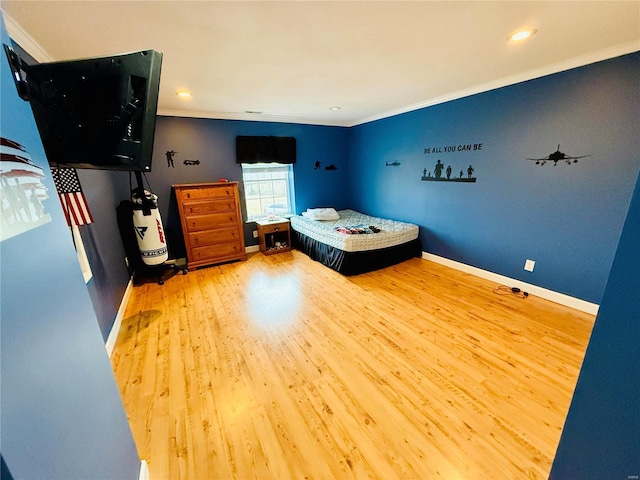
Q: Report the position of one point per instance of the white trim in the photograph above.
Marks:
(26, 41)
(144, 470)
(115, 329)
(250, 117)
(576, 62)
(252, 248)
(556, 297)
(83, 260)
(21, 37)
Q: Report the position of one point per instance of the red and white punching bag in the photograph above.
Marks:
(147, 225)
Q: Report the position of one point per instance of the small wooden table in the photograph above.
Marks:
(274, 235)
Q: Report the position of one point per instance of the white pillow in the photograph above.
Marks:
(321, 214)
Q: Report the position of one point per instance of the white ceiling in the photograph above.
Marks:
(293, 60)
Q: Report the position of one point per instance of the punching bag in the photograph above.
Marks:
(147, 225)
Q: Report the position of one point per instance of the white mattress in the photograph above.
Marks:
(391, 233)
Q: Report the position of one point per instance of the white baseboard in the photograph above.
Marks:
(556, 297)
(144, 470)
(115, 329)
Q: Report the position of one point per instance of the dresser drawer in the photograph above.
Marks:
(218, 252)
(206, 193)
(211, 221)
(194, 223)
(209, 206)
(209, 237)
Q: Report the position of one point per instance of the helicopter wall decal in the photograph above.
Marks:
(556, 157)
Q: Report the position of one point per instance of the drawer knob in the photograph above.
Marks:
(276, 229)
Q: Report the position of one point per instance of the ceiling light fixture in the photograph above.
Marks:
(335, 109)
(522, 34)
(183, 94)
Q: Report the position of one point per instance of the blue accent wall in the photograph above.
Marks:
(62, 416)
(212, 142)
(567, 218)
(601, 436)
(104, 190)
(5, 474)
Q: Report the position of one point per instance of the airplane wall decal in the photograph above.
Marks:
(556, 157)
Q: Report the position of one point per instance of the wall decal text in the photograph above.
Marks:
(467, 147)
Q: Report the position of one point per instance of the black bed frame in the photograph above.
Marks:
(354, 263)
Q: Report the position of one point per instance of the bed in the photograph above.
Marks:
(355, 243)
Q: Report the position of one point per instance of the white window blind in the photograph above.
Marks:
(268, 189)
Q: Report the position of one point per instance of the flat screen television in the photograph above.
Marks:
(97, 113)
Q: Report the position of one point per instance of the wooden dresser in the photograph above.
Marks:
(211, 222)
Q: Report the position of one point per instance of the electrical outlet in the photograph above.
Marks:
(528, 265)
(255, 234)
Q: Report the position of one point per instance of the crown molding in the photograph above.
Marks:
(26, 41)
(248, 117)
(575, 62)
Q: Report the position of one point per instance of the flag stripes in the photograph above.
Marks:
(75, 208)
(74, 204)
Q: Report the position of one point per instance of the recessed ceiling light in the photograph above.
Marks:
(335, 109)
(183, 94)
(521, 34)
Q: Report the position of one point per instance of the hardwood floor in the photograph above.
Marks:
(278, 367)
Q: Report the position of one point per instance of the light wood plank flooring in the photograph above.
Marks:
(278, 367)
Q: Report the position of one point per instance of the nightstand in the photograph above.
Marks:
(274, 235)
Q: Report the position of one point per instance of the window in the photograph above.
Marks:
(268, 189)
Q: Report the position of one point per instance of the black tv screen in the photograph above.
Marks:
(97, 113)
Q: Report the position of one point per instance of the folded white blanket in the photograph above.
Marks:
(321, 214)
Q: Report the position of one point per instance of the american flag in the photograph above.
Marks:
(74, 204)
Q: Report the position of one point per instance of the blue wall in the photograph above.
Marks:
(212, 142)
(58, 394)
(104, 190)
(601, 436)
(62, 416)
(567, 218)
